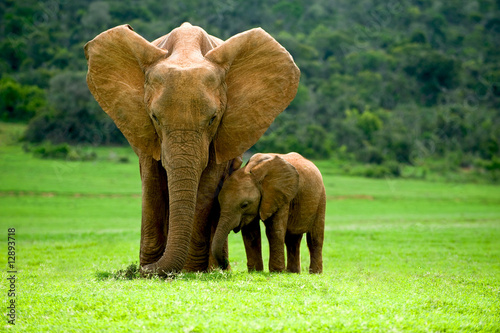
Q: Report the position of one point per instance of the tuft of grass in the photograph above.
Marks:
(131, 272)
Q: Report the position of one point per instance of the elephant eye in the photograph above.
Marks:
(244, 204)
(211, 120)
(154, 118)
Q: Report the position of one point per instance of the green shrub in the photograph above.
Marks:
(50, 151)
(19, 102)
(73, 115)
(370, 154)
(491, 167)
(389, 169)
(393, 167)
(123, 159)
(62, 151)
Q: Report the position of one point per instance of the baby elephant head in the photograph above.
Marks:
(263, 186)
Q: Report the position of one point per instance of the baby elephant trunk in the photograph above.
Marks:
(226, 224)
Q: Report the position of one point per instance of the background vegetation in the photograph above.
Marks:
(386, 84)
(388, 89)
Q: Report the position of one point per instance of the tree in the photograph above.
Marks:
(429, 70)
(74, 116)
(19, 102)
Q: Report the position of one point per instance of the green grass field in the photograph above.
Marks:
(399, 255)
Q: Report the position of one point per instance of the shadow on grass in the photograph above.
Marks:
(133, 272)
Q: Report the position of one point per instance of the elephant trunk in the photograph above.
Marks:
(182, 197)
(183, 175)
(226, 224)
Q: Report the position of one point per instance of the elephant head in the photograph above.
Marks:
(186, 97)
(263, 186)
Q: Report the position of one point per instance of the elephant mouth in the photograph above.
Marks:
(237, 229)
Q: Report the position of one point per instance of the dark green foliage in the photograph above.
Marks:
(370, 154)
(76, 117)
(52, 151)
(390, 169)
(63, 151)
(492, 167)
(394, 81)
(19, 102)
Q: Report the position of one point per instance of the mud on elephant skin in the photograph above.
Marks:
(287, 193)
(189, 104)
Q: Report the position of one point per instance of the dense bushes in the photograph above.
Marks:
(19, 102)
(74, 115)
(61, 151)
(382, 83)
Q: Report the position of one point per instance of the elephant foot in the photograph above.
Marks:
(316, 270)
(276, 269)
(150, 270)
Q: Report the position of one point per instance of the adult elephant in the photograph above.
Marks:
(189, 104)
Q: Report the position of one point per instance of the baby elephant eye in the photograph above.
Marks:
(211, 120)
(244, 205)
(154, 118)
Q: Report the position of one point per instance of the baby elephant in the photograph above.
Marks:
(287, 193)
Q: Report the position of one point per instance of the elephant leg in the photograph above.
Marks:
(206, 217)
(315, 245)
(154, 226)
(275, 232)
(253, 246)
(315, 240)
(292, 243)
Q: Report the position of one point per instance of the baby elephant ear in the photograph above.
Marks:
(279, 180)
(117, 60)
(262, 79)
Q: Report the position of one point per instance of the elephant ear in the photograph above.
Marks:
(279, 180)
(262, 79)
(117, 60)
